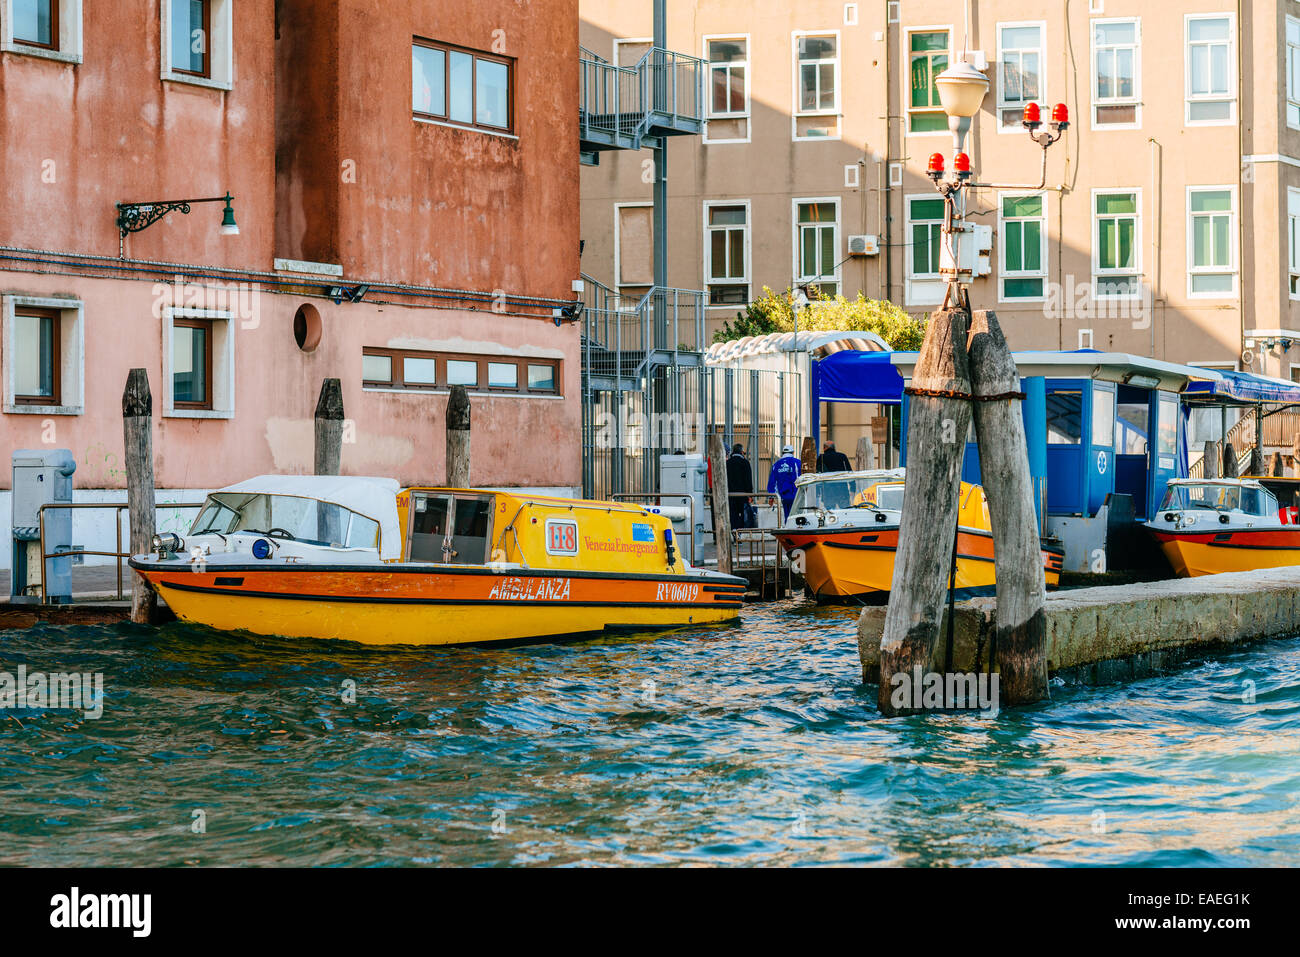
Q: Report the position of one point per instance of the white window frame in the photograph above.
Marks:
(1293, 241)
(797, 271)
(850, 14)
(1004, 273)
(1136, 99)
(906, 85)
(920, 289)
(223, 363)
(1231, 95)
(618, 253)
(1136, 270)
(1002, 102)
(708, 252)
(221, 48)
(1232, 268)
(837, 110)
(1291, 72)
(628, 41)
(708, 88)
(70, 42)
(72, 354)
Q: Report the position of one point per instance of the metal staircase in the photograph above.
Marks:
(624, 107)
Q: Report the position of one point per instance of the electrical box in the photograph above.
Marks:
(682, 482)
(41, 477)
(864, 246)
(969, 255)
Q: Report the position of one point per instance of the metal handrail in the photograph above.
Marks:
(118, 508)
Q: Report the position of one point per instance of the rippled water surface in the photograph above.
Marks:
(754, 744)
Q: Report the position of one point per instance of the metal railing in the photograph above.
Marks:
(625, 104)
(617, 329)
(120, 555)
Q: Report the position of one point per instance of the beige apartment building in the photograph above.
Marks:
(1167, 224)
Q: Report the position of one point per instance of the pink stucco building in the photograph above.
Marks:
(404, 176)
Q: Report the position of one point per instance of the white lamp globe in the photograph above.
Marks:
(961, 89)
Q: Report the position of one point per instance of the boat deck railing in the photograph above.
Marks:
(117, 508)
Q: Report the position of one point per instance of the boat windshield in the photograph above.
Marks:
(847, 493)
(289, 516)
(1220, 498)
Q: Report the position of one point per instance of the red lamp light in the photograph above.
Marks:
(1061, 114)
(961, 165)
(936, 164)
(1033, 116)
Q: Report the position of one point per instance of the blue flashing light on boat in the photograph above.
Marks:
(262, 549)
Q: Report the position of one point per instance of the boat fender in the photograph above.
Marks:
(881, 517)
(1223, 519)
(668, 543)
(262, 549)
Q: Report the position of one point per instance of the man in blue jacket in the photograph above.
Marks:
(784, 471)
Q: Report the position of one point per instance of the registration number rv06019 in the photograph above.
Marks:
(561, 536)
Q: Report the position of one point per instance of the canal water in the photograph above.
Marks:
(752, 744)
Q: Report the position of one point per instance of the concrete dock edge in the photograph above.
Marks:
(1119, 632)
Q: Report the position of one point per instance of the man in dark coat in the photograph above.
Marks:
(740, 478)
(832, 459)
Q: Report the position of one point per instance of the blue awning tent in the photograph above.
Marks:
(854, 376)
(1243, 387)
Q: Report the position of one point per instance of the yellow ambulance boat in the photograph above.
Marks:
(360, 559)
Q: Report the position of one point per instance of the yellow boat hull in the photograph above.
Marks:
(1195, 555)
(409, 605)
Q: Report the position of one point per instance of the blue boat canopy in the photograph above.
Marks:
(855, 376)
(1243, 387)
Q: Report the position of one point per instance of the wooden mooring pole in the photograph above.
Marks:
(458, 418)
(137, 429)
(866, 454)
(1212, 460)
(721, 503)
(1020, 634)
(329, 428)
(936, 440)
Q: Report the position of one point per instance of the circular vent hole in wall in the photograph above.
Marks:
(306, 327)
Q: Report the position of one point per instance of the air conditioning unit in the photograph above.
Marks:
(863, 246)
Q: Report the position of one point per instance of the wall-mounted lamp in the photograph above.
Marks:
(133, 217)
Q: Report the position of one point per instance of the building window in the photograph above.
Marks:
(50, 29)
(1293, 241)
(461, 87)
(1116, 72)
(191, 27)
(1211, 259)
(36, 356)
(1293, 73)
(436, 371)
(42, 356)
(197, 42)
(728, 117)
(1211, 72)
(1117, 272)
(726, 228)
(36, 23)
(192, 364)
(928, 52)
(198, 363)
(817, 86)
(1022, 223)
(634, 236)
(925, 223)
(1020, 71)
(816, 238)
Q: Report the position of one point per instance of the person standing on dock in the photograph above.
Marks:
(832, 459)
(740, 478)
(781, 481)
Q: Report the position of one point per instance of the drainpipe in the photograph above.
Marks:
(659, 80)
(1241, 191)
(1157, 211)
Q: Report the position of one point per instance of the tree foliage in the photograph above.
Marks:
(775, 312)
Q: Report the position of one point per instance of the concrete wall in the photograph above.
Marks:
(1114, 632)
